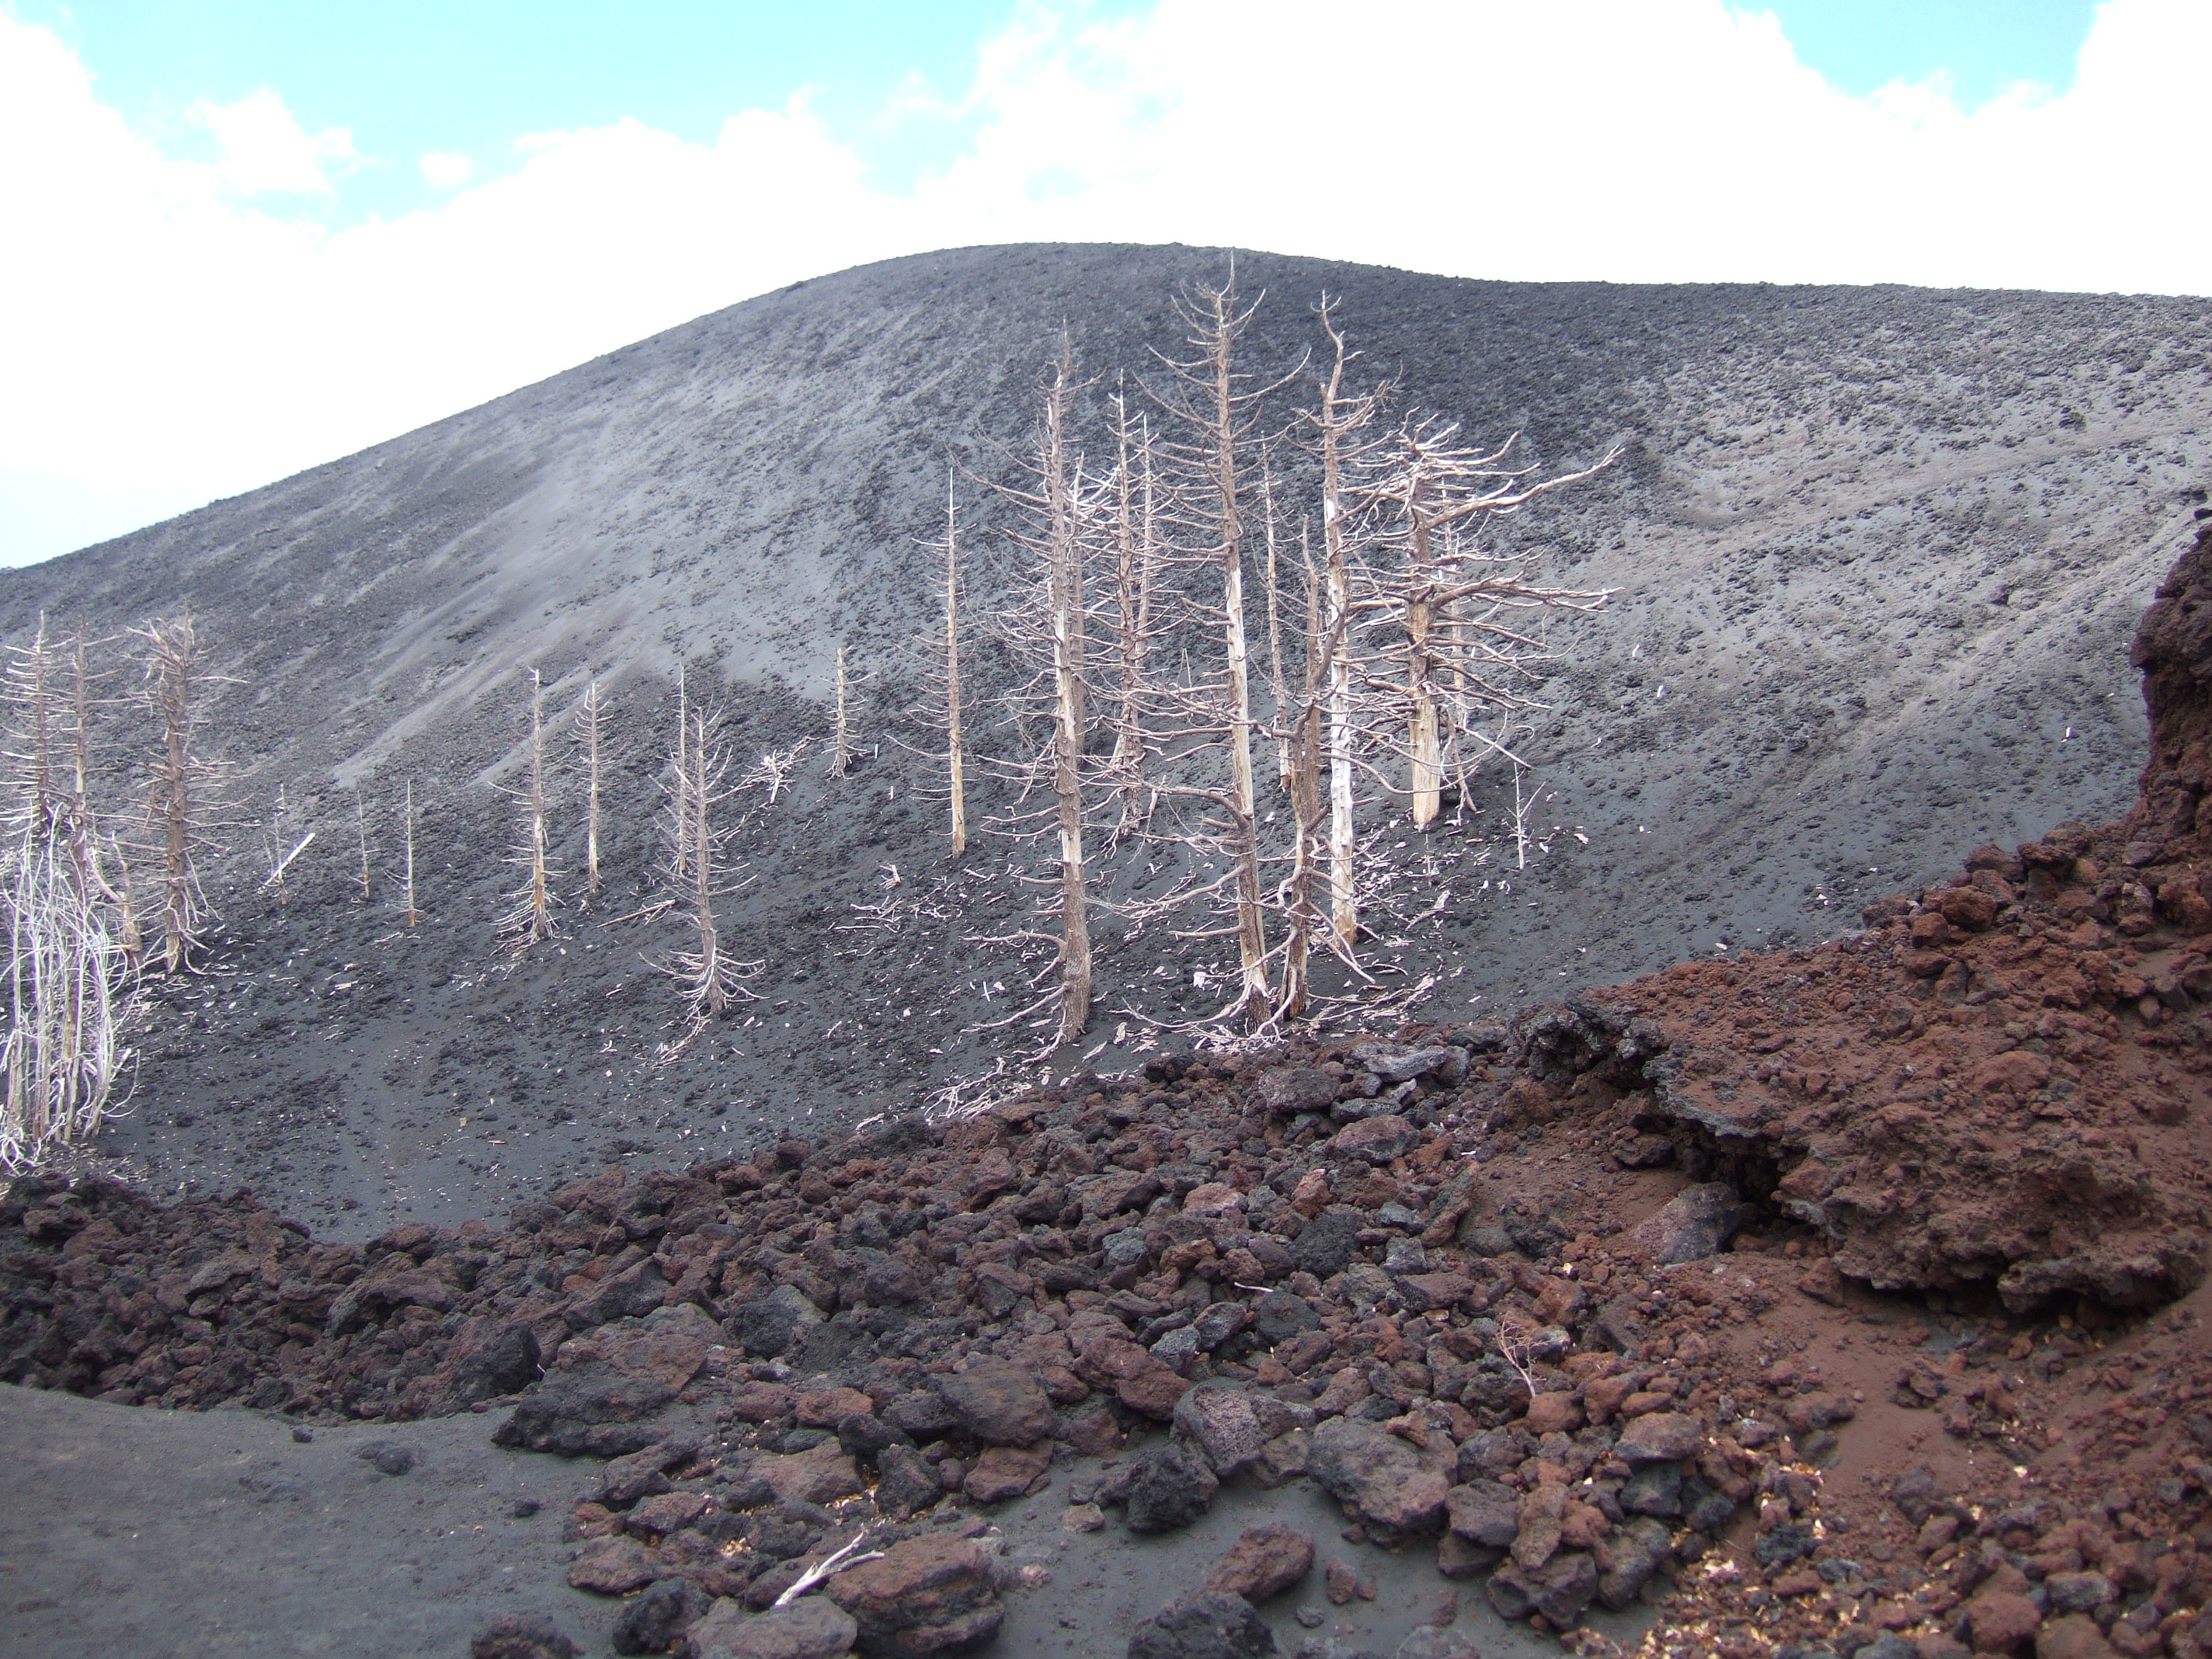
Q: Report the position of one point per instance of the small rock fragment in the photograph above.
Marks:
(523, 1636)
(1265, 1561)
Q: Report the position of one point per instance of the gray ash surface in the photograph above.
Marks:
(1878, 554)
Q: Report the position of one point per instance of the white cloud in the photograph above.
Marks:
(444, 170)
(175, 340)
(265, 151)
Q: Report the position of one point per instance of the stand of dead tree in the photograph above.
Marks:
(68, 967)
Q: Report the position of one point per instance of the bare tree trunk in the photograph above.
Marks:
(841, 748)
(411, 915)
(181, 798)
(682, 849)
(1275, 636)
(360, 823)
(1068, 727)
(127, 933)
(1220, 328)
(1424, 767)
(1136, 557)
(693, 873)
(594, 704)
(1304, 730)
(532, 919)
(84, 830)
(1339, 419)
(712, 993)
(956, 760)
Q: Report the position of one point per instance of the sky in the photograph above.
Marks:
(242, 238)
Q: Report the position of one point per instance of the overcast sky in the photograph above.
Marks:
(243, 239)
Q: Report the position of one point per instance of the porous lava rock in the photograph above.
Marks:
(929, 1595)
(1265, 1561)
(1211, 1625)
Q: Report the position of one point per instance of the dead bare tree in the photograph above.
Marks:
(1339, 423)
(408, 867)
(937, 658)
(1217, 407)
(1049, 630)
(696, 844)
(1136, 575)
(841, 746)
(955, 762)
(275, 836)
(532, 919)
(184, 792)
(1302, 725)
(360, 828)
(589, 719)
(1275, 631)
(1458, 610)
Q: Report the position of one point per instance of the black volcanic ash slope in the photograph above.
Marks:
(1878, 553)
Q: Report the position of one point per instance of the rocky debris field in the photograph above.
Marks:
(1504, 1314)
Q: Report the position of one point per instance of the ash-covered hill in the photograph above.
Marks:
(1878, 555)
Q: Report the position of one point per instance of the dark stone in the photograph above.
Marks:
(1779, 1546)
(767, 1327)
(1705, 1510)
(385, 1457)
(1169, 1487)
(505, 1361)
(924, 1414)
(586, 1414)
(812, 1627)
(930, 1595)
(1635, 1551)
(651, 1622)
(1287, 1091)
(1560, 1589)
(1327, 1245)
(1378, 1478)
(523, 1636)
(1654, 1489)
(630, 1294)
(1485, 1512)
(1377, 1140)
(1219, 1322)
(1000, 1405)
(1278, 1316)
(1211, 1624)
(1692, 1225)
(1661, 1437)
(1265, 1561)
(906, 1483)
(866, 1435)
